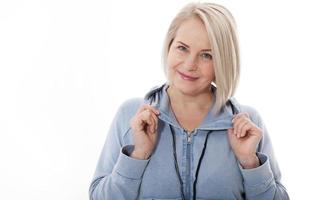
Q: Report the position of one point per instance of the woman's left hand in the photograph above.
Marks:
(244, 138)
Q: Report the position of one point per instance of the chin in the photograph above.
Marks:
(187, 89)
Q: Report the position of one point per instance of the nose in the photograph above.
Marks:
(191, 63)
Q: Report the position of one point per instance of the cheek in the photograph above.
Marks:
(171, 66)
(209, 71)
(173, 59)
(169, 61)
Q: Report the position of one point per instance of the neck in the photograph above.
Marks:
(183, 101)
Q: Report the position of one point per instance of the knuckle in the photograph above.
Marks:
(243, 115)
(260, 131)
(145, 113)
(143, 107)
(148, 106)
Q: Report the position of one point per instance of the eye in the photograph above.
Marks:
(207, 56)
(181, 48)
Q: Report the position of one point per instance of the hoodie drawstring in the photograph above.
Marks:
(234, 111)
(177, 165)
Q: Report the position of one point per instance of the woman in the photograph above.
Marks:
(189, 139)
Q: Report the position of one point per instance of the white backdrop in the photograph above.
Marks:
(66, 66)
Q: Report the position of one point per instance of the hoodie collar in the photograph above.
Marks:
(159, 98)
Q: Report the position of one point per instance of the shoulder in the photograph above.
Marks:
(249, 109)
(253, 113)
(125, 112)
(129, 107)
(131, 104)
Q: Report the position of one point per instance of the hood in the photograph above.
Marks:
(158, 98)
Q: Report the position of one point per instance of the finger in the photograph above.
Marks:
(240, 124)
(231, 134)
(148, 107)
(141, 109)
(240, 115)
(245, 129)
(153, 124)
(230, 131)
(137, 123)
(253, 129)
(155, 118)
(237, 124)
(151, 119)
(144, 117)
(156, 122)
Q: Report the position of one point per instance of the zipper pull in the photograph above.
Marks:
(189, 137)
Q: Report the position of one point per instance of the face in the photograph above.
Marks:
(189, 61)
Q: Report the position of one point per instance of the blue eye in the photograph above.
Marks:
(207, 56)
(181, 48)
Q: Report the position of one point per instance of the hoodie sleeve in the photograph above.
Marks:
(117, 175)
(264, 182)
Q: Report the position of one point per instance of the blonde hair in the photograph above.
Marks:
(221, 29)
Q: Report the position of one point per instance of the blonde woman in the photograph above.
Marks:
(189, 138)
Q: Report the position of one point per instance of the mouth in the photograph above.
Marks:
(186, 77)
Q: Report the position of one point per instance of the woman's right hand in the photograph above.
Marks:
(144, 125)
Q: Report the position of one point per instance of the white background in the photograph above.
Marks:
(66, 66)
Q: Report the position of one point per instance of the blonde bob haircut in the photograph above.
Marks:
(221, 29)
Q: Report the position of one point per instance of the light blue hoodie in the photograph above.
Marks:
(220, 176)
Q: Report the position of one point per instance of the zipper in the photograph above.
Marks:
(189, 137)
(188, 164)
(188, 177)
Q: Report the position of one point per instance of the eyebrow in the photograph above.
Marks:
(187, 46)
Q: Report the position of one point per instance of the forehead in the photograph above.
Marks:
(193, 32)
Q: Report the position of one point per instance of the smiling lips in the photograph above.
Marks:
(186, 77)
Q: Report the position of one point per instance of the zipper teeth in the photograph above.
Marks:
(188, 174)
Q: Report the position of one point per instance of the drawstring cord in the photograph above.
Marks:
(177, 165)
(234, 111)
